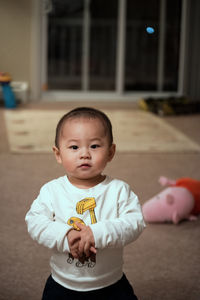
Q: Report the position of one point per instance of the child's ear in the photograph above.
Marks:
(111, 152)
(57, 154)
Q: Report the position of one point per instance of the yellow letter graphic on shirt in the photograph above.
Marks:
(87, 204)
(72, 222)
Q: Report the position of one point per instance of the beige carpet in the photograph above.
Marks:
(31, 131)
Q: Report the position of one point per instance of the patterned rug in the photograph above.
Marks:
(32, 131)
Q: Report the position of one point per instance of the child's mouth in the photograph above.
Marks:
(84, 166)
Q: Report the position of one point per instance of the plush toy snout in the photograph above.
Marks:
(171, 205)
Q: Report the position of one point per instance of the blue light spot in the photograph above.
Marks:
(150, 30)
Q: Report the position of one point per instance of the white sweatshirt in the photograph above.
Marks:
(114, 215)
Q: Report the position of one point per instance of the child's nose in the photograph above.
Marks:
(85, 153)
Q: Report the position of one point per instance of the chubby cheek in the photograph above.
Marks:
(100, 161)
(68, 163)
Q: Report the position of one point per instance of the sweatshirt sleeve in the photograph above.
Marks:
(124, 229)
(42, 225)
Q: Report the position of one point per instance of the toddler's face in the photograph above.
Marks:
(84, 150)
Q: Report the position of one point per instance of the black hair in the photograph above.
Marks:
(86, 112)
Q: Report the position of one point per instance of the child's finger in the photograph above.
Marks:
(87, 247)
(93, 250)
(81, 246)
(73, 237)
(79, 225)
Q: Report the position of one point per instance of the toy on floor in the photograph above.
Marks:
(179, 201)
(8, 95)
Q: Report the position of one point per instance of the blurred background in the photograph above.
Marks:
(120, 56)
(116, 49)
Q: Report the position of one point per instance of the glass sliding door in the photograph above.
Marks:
(152, 45)
(117, 45)
(82, 45)
(172, 45)
(65, 39)
(141, 45)
(103, 37)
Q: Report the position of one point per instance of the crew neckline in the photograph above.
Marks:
(72, 186)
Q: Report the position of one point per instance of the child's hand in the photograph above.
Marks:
(74, 237)
(81, 243)
(86, 244)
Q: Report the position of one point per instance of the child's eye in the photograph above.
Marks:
(74, 147)
(95, 146)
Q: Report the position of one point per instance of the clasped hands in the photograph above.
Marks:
(81, 243)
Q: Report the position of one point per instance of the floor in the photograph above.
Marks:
(164, 263)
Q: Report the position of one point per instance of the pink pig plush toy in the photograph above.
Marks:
(179, 201)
